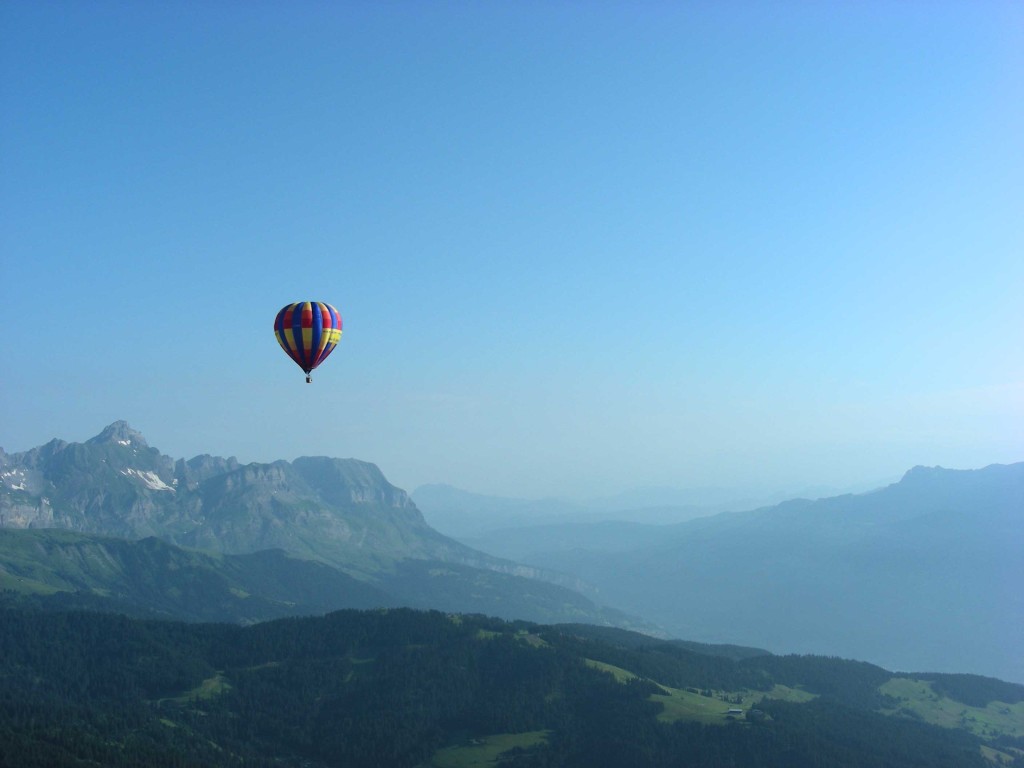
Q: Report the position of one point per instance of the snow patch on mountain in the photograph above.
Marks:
(14, 479)
(151, 480)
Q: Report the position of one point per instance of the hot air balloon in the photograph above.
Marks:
(308, 331)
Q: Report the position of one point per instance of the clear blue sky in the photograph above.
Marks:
(578, 247)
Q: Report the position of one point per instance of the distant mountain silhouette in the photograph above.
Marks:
(466, 515)
(925, 573)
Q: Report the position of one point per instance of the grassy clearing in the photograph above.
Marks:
(210, 687)
(680, 704)
(917, 700)
(677, 703)
(998, 757)
(523, 636)
(483, 751)
(620, 674)
(783, 693)
(535, 641)
(26, 586)
(713, 710)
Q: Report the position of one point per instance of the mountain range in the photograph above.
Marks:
(333, 532)
(338, 511)
(927, 572)
(465, 515)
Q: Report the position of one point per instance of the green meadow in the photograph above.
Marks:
(918, 700)
(681, 704)
(713, 710)
(483, 751)
(209, 688)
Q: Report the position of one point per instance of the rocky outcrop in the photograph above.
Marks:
(340, 511)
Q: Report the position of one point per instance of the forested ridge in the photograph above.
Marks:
(392, 687)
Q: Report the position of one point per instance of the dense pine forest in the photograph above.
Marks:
(407, 688)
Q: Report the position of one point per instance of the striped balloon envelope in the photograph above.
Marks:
(308, 331)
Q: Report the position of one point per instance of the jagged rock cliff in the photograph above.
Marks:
(341, 511)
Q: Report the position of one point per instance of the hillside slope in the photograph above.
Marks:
(61, 570)
(924, 574)
(341, 513)
(405, 689)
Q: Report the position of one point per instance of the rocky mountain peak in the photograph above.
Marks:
(120, 433)
(920, 471)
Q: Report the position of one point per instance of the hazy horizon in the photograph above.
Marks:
(658, 495)
(576, 250)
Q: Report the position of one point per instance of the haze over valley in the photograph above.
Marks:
(922, 574)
